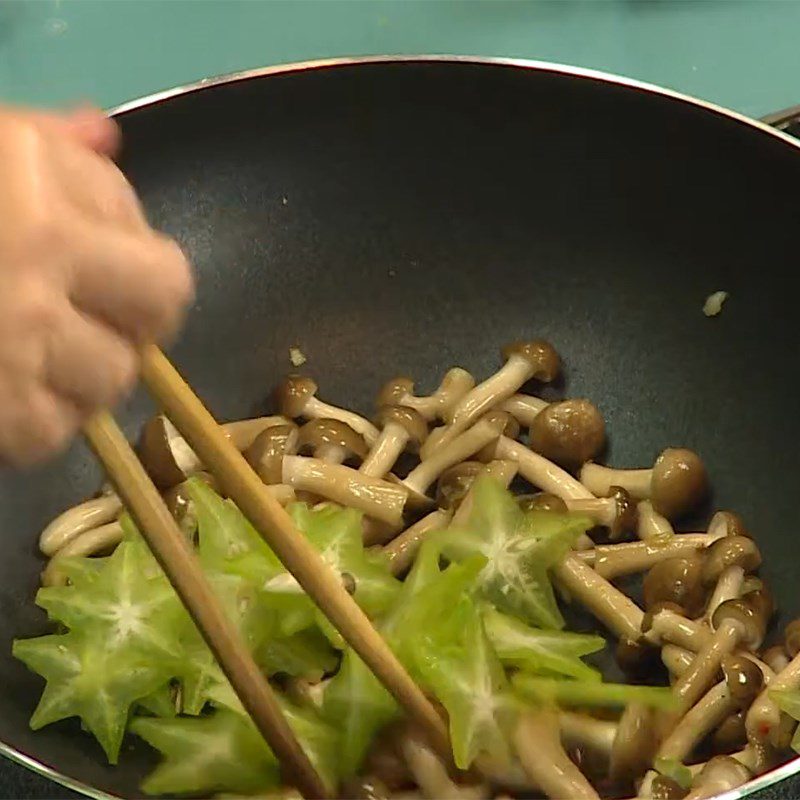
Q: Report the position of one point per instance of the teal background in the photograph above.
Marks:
(745, 55)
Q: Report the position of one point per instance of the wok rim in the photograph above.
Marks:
(763, 781)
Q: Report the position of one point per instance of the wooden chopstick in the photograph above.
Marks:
(181, 566)
(241, 483)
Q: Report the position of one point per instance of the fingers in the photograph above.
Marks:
(138, 283)
(88, 363)
(36, 427)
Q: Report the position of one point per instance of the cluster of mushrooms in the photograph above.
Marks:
(701, 612)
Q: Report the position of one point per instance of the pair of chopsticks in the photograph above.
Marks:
(183, 570)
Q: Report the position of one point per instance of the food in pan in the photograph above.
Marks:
(467, 524)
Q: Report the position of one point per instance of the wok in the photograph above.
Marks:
(404, 215)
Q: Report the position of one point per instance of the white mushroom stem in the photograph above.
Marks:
(676, 659)
(318, 409)
(88, 543)
(673, 628)
(431, 775)
(523, 408)
(599, 480)
(502, 471)
(455, 384)
(651, 525)
(75, 521)
(601, 510)
(538, 744)
(729, 585)
(283, 493)
(386, 450)
(459, 449)
(581, 730)
(242, 432)
(540, 472)
(764, 717)
(691, 685)
(613, 608)
(402, 550)
(380, 499)
(628, 558)
(702, 718)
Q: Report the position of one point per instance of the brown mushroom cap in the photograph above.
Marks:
(507, 424)
(726, 523)
(331, 432)
(177, 498)
(743, 679)
(570, 432)
(627, 513)
(293, 393)
(747, 615)
(677, 580)
(394, 390)
(791, 635)
(761, 599)
(455, 482)
(730, 551)
(651, 613)
(266, 453)
(731, 734)
(155, 450)
(542, 501)
(413, 422)
(679, 482)
(542, 356)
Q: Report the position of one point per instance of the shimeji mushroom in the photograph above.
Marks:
(541, 501)
(455, 482)
(523, 407)
(617, 512)
(375, 497)
(651, 524)
(538, 744)
(676, 580)
(402, 550)
(296, 397)
(77, 520)
(676, 659)
(607, 603)
(537, 470)
(524, 360)
(666, 622)
(742, 682)
(628, 558)
(719, 775)
(482, 433)
(726, 563)
(400, 392)
(764, 718)
(331, 440)
(89, 543)
(169, 459)
(634, 744)
(675, 484)
(265, 454)
(570, 433)
(737, 623)
(401, 428)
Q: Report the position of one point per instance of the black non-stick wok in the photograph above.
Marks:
(402, 216)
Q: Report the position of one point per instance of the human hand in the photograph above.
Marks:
(83, 279)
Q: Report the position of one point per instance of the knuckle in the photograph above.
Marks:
(121, 372)
(38, 306)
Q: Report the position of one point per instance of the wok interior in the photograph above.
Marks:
(403, 217)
